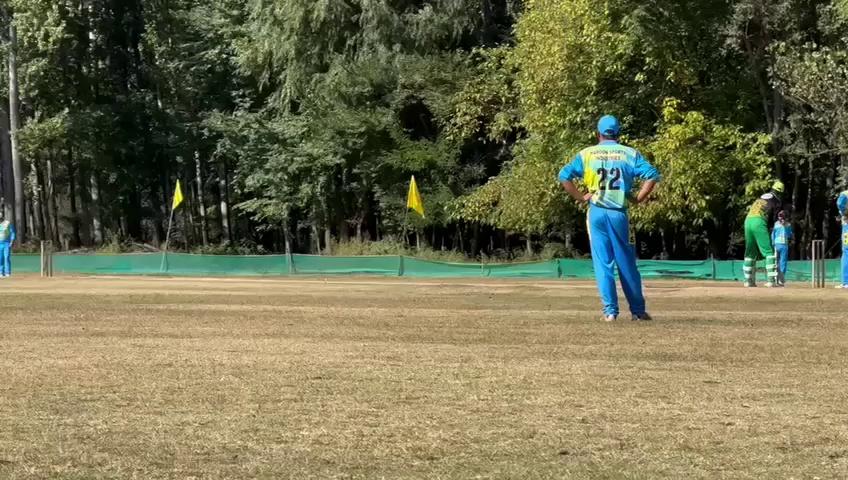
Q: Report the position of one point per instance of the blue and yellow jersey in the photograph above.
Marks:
(609, 170)
(842, 203)
(781, 234)
(7, 232)
(844, 235)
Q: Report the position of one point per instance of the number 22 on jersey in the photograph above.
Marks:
(609, 188)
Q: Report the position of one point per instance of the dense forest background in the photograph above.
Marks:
(296, 124)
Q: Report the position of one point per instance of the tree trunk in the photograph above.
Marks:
(778, 103)
(287, 236)
(826, 215)
(362, 211)
(359, 236)
(7, 182)
(96, 221)
(529, 245)
(186, 225)
(72, 197)
(167, 196)
(796, 192)
(223, 190)
(44, 208)
(328, 240)
(344, 234)
(485, 20)
(37, 204)
(198, 173)
(14, 126)
(317, 238)
(323, 193)
(809, 234)
(51, 203)
(83, 180)
(156, 203)
(188, 210)
(124, 226)
(680, 252)
(133, 209)
(756, 70)
(30, 223)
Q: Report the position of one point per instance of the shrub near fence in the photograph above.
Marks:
(178, 264)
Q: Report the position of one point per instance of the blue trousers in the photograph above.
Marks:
(5, 258)
(845, 266)
(609, 235)
(782, 252)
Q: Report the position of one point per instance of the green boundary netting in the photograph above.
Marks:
(26, 263)
(179, 264)
(204, 265)
(320, 265)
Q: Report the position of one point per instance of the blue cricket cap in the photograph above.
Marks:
(608, 126)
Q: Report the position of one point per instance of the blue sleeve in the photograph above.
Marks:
(773, 235)
(573, 170)
(842, 203)
(12, 233)
(644, 169)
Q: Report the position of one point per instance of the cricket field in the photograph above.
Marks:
(354, 378)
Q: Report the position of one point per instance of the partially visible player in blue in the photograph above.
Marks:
(844, 251)
(842, 205)
(608, 170)
(781, 237)
(7, 238)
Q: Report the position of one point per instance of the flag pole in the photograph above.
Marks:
(406, 214)
(167, 239)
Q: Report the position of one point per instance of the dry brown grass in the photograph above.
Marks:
(167, 378)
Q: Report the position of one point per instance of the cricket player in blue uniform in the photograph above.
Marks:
(781, 236)
(842, 205)
(608, 170)
(7, 238)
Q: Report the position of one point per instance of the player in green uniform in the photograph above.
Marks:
(757, 239)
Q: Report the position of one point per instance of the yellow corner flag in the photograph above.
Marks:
(178, 196)
(413, 199)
